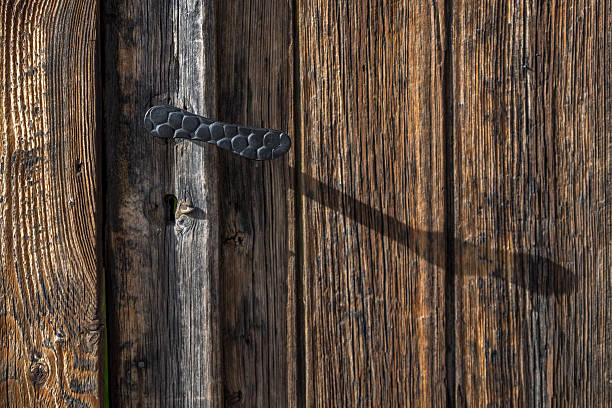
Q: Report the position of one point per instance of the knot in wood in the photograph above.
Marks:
(233, 398)
(39, 372)
(183, 217)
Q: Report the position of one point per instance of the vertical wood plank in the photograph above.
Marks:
(50, 293)
(373, 221)
(255, 87)
(163, 273)
(192, 245)
(532, 209)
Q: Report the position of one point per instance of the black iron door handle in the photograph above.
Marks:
(253, 143)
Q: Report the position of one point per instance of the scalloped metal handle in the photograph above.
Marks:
(169, 122)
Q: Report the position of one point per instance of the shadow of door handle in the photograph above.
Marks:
(168, 122)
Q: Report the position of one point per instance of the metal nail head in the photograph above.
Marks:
(184, 208)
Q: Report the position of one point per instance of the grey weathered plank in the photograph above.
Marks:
(532, 203)
(50, 277)
(163, 273)
(255, 87)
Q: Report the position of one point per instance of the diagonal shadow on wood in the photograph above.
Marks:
(531, 271)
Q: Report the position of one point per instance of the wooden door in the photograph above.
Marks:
(440, 233)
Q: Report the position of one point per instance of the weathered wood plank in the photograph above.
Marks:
(255, 87)
(373, 220)
(532, 203)
(50, 292)
(163, 273)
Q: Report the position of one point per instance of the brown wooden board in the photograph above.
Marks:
(51, 326)
(532, 206)
(163, 272)
(372, 178)
(256, 201)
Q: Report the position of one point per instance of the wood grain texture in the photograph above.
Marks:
(50, 292)
(163, 272)
(255, 87)
(372, 176)
(532, 203)
(439, 234)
